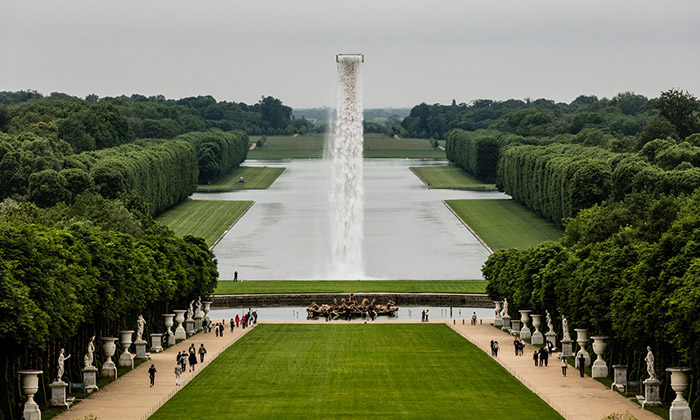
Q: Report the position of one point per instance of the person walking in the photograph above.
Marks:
(202, 352)
(474, 319)
(535, 355)
(541, 352)
(231, 323)
(545, 355)
(427, 315)
(193, 361)
(183, 361)
(582, 365)
(152, 374)
(422, 316)
(216, 329)
(492, 347)
(564, 365)
(238, 320)
(222, 328)
(516, 344)
(495, 348)
(178, 374)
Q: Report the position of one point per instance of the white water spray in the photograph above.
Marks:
(346, 197)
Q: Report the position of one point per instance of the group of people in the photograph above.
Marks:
(425, 315)
(185, 357)
(494, 348)
(541, 357)
(519, 345)
(249, 319)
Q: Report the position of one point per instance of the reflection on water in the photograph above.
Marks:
(408, 232)
(298, 313)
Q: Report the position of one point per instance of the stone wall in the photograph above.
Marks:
(401, 299)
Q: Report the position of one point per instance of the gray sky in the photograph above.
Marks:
(416, 51)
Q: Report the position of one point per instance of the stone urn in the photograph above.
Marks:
(206, 307)
(30, 386)
(525, 333)
(680, 410)
(582, 340)
(109, 369)
(537, 337)
(126, 359)
(498, 319)
(168, 321)
(180, 333)
(600, 368)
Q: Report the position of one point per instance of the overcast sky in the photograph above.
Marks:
(415, 51)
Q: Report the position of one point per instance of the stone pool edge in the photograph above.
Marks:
(473, 300)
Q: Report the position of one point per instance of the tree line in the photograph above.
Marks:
(69, 272)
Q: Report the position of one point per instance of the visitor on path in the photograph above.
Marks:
(178, 374)
(232, 324)
(427, 315)
(255, 317)
(495, 348)
(193, 361)
(535, 356)
(522, 347)
(564, 365)
(204, 326)
(202, 352)
(183, 361)
(541, 352)
(152, 374)
(238, 320)
(581, 364)
(166, 339)
(221, 328)
(422, 316)
(492, 347)
(235, 276)
(545, 355)
(516, 344)
(474, 319)
(216, 329)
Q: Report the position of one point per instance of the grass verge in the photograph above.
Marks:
(421, 371)
(206, 218)
(450, 177)
(350, 286)
(256, 178)
(505, 223)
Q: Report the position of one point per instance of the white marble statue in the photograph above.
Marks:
(565, 327)
(140, 322)
(550, 327)
(650, 363)
(190, 311)
(505, 306)
(198, 307)
(61, 367)
(87, 360)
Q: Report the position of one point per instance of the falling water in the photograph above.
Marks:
(346, 196)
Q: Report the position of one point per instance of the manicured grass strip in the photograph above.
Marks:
(396, 371)
(350, 286)
(505, 223)
(206, 218)
(255, 178)
(312, 145)
(450, 177)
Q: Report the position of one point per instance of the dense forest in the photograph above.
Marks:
(623, 177)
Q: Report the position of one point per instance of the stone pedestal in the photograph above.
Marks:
(582, 340)
(515, 327)
(619, 377)
(506, 323)
(680, 410)
(189, 326)
(525, 333)
(109, 369)
(126, 359)
(168, 321)
(651, 393)
(551, 337)
(537, 336)
(156, 346)
(567, 348)
(90, 379)
(599, 368)
(30, 386)
(498, 319)
(180, 333)
(58, 394)
(140, 346)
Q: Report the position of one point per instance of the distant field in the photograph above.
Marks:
(505, 223)
(311, 146)
(255, 178)
(353, 286)
(206, 218)
(343, 371)
(450, 177)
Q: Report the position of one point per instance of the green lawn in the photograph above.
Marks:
(254, 177)
(344, 371)
(206, 218)
(311, 146)
(351, 286)
(505, 223)
(450, 177)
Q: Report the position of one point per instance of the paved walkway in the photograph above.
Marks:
(573, 397)
(131, 398)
